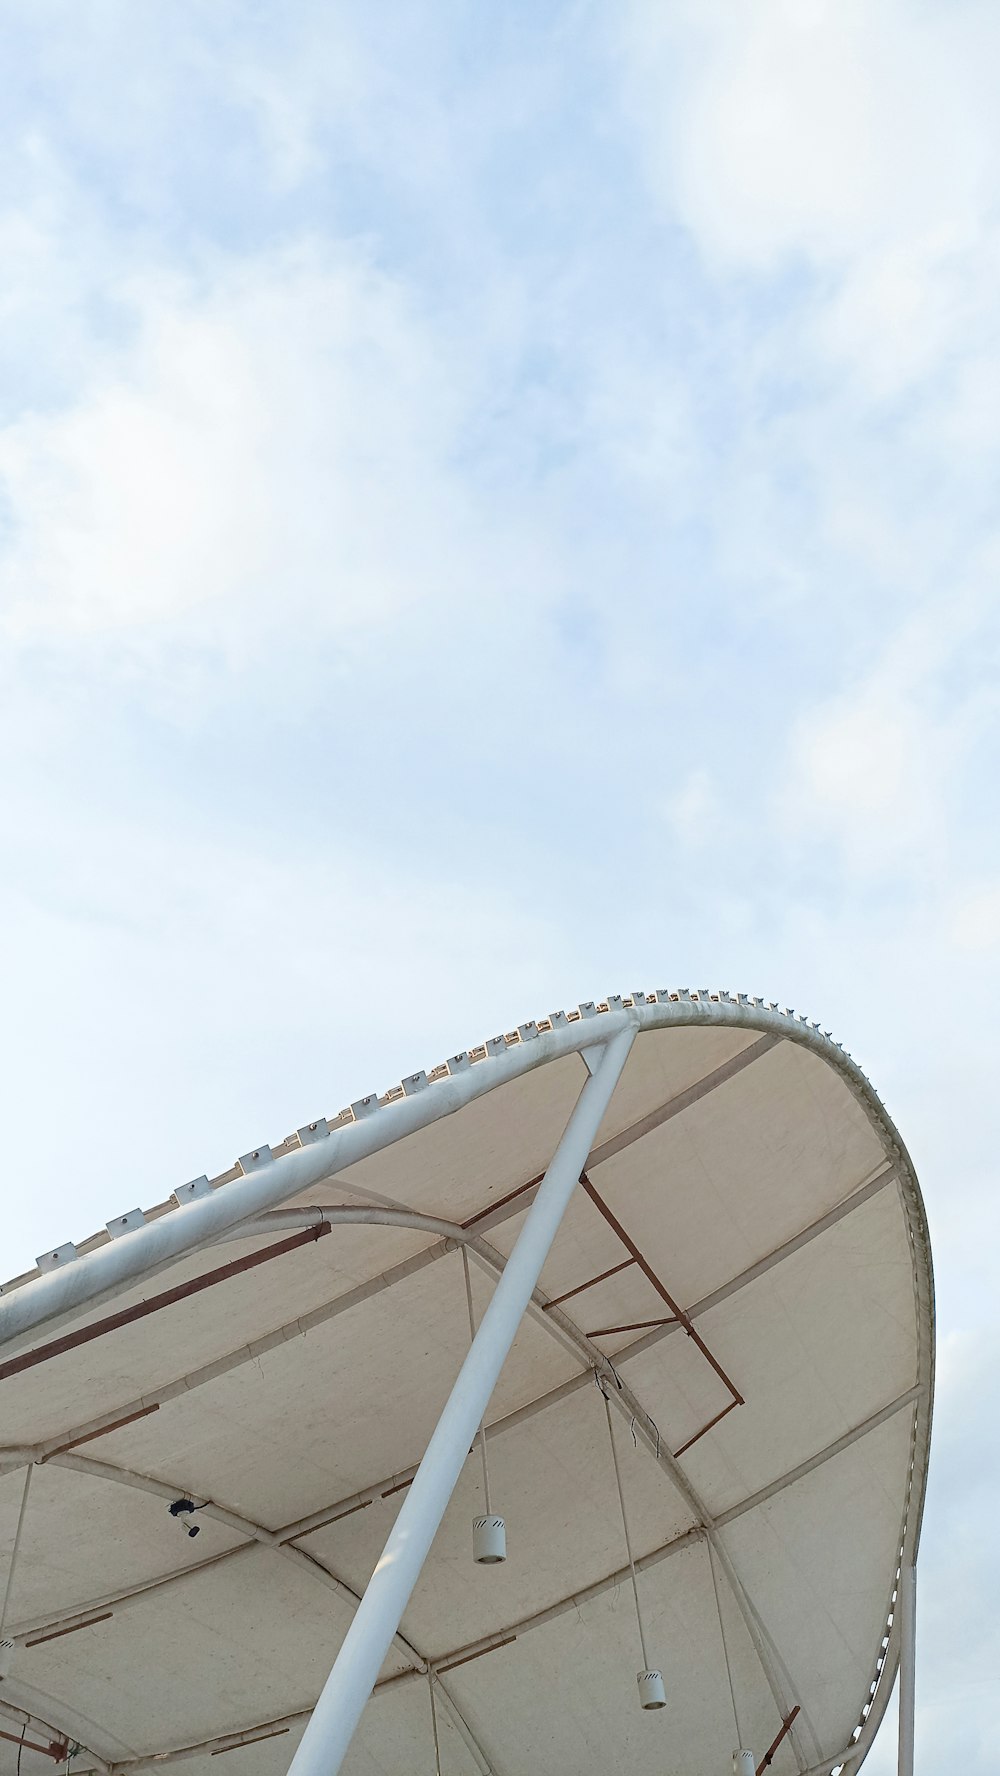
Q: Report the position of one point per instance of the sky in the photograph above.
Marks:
(499, 506)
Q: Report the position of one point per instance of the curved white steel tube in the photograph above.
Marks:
(60, 1295)
(347, 1689)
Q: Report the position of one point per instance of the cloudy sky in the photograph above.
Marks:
(499, 505)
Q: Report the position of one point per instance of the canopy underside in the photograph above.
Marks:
(746, 1249)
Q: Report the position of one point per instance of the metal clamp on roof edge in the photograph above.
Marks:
(313, 1131)
(253, 1161)
(127, 1223)
(189, 1192)
(63, 1254)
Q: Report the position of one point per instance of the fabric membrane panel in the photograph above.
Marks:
(743, 1271)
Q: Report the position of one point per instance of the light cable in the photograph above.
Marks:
(725, 1649)
(434, 1722)
(628, 1538)
(482, 1423)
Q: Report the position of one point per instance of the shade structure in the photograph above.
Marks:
(743, 1273)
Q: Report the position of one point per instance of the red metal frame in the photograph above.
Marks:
(591, 1283)
(633, 1326)
(765, 1761)
(113, 1322)
(56, 1750)
(649, 1273)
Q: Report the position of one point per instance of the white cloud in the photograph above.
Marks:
(866, 770)
(758, 476)
(693, 813)
(814, 128)
(183, 993)
(874, 767)
(270, 444)
(976, 922)
(848, 142)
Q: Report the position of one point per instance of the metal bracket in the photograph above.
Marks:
(188, 1192)
(252, 1162)
(63, 1254)
(125, 1223)
(313, 1131)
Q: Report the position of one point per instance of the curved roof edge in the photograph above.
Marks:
(71, 1281)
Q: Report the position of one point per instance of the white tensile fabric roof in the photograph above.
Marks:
(763, 1326)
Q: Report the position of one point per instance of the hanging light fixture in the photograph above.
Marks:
(489, 1533)
(744, 1762)
(652, 1693)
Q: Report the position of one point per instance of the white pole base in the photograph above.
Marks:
(489, 1540)
(651, 1691)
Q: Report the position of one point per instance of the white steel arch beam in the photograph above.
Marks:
(686, 1539)
(257, 1536)
(264, 1179)
(269, 1729)
(560, 1326)
(32, 1724)
(630, 1406)
(525, 1625)
(678, 1009)
(382, 1210)
(26, 1703)
(451, 1234)
(572, 1337)
(888, 1661)
(24, 1630)
(355, 1670)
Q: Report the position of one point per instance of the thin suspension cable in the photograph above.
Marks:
(434, 1722)
(725, 1649)
(482, 1422)
(17, 1546)
(628, 1538)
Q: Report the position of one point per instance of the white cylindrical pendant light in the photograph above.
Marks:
(489, 1540)
(489, 1533)
(651, 1691)
(744, 1763)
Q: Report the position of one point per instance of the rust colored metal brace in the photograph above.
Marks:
(765, 1762)
(649, 1273)
(72, 1340)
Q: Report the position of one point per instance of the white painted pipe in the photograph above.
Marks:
(350, 1683)
(61, 1294)
(906, 1603)
(70, 1289)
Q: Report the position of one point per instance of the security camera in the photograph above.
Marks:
(179, 1510)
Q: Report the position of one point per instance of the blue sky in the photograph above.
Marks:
(498, 507)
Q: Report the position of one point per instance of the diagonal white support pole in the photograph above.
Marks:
(380, 1611)
(906, 1601)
